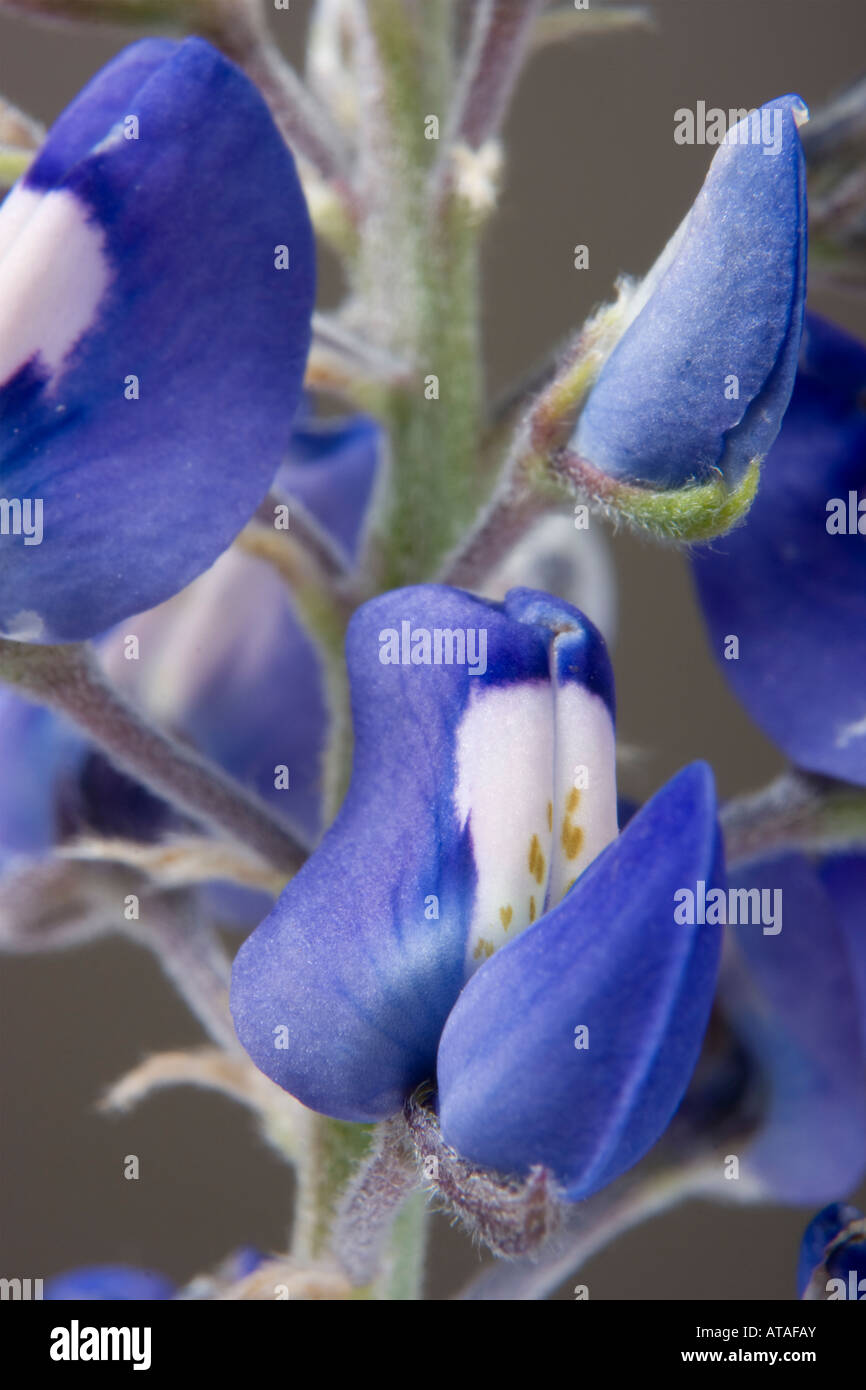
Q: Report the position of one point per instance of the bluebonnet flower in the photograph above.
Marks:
(481, 822)
(117, 1283)
(795, 995)
(833, 1254)
(152, 342)
(791, 582)
(699, 379)
(122, 1283)
(226, 665)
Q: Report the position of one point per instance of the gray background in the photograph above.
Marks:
(591, 159)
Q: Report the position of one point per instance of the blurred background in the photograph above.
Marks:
(590, 159)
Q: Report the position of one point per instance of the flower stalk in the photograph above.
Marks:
(798, 811)
(68, 679)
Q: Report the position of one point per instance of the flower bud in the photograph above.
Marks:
(691, 397)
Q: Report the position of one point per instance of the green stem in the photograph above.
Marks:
(799, 811)
(69, 679)
(408, 1251)
(418, 284)
(331, 1154)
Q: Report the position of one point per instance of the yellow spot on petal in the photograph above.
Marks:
(532, 910)
(536, 860)
(505, 916)
(483, 949)
(572, 839)
(550, 815)
(573, 801)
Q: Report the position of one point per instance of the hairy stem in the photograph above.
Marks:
(404, 1280)
(513, 510)
(344, 364)
(192, 957)
(501, 38)
(594, 1225)
(529, 485)
(180, 861)
(417, 291)
(799, 811)
(560, 25)
(69, 680)
(371, 1204)
(331, 1152)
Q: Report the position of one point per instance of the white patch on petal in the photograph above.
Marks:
(53, 275)
(848, 732)
(199, 622)
(584, 800)
(26, 626)
(504, 752)
(15, 212)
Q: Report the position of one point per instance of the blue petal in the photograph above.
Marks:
(56, 786)
(514, 1087)
(726, 299)
(38, 752)
(844, 878)
(251, 698)
(151, 258)
(341, 993)
(108, 97)
(820, 1232)
(331, 470)
(242, 1262)
(119, 1283)
(792, 999)
(793, 593)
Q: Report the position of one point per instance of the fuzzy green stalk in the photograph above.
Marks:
(404, 1281)
(418, 286)
(332, 1152)
(435, 441)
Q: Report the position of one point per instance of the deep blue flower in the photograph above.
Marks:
(791, 583)
(121, 1283)
(834, 1250)
(699, 380)
(843, 876)
(39, 753)
(118, 1283)
(331, 471)
(152, 346)
(483, 786)
(228, 647)
(793, 996)
(250, 654)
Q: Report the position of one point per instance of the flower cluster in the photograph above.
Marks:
(465, 961)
